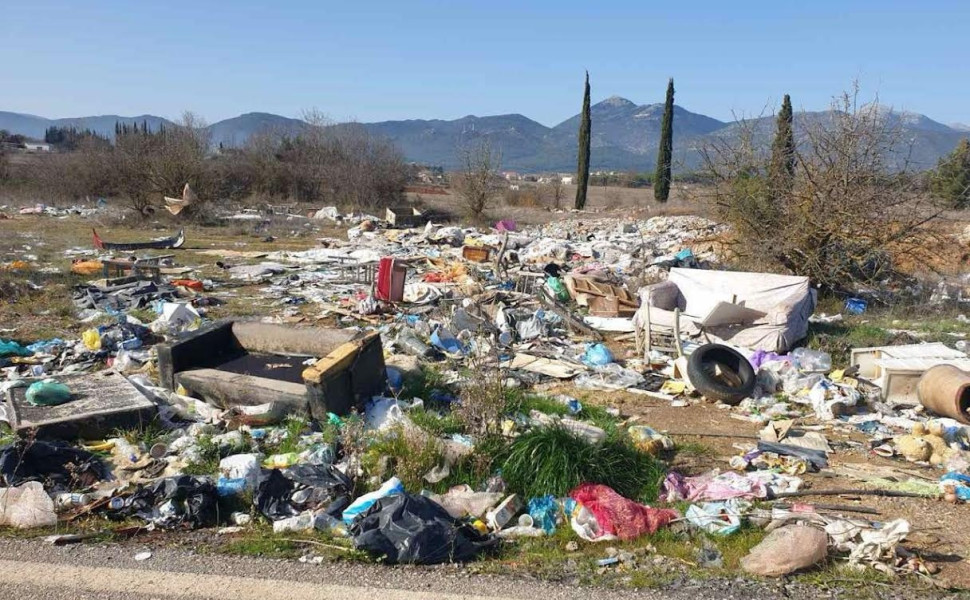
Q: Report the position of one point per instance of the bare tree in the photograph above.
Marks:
(556, 191)
(853, 208)
(477, 181)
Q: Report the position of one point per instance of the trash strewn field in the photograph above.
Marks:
(595, 399)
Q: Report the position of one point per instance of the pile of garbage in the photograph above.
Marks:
(416, 424)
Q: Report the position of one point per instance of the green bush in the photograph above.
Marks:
(553, 460)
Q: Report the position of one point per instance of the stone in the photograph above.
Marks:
(786, 550)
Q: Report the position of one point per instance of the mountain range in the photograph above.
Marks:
(625, 135)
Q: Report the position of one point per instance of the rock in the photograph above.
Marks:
(786, 550)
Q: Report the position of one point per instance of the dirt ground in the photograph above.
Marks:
(709, 436)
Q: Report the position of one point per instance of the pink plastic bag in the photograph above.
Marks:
(620, 516)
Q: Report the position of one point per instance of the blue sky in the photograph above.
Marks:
(376, 60)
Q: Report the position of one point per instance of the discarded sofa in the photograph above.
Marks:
(761, 311)
(246, 363)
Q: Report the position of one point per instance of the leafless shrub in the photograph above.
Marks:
(477, 182)
(482, 401)
(853, 206)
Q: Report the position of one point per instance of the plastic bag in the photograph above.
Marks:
(719, 518)
(181, 501)
(597, 355)
(61, 467)
(609, 377)
(531, 328)
(619, 516)
(48, 392)
(287, 493)
(462, 501)
(91, 339)
(390, 487)
(812, 360)
(12, 348)
(26, 506)
(241, 466)
(413, 529)
(383, 413)
(558, 289)
(444, 340)
(546, 512)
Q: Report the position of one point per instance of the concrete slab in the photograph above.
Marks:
(103, 402)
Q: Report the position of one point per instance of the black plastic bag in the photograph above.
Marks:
(410, 529)
(181, 501)
(59, 466)
(287, 493)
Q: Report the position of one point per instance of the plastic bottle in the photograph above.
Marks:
(412, 344)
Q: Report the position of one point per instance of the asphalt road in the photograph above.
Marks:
(34, 569)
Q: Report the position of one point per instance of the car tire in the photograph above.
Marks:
(721, 373)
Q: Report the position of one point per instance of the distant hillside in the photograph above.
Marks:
(34, 126)
(625, 135)
(235, 131)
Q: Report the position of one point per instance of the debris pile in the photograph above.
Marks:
(431, 413)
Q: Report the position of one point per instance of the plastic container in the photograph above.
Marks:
(813, 361)
(412, 344)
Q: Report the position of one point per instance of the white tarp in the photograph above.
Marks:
(785, 301)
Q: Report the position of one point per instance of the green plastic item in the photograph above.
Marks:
(12, 348)
(558, 288)
(48, 392)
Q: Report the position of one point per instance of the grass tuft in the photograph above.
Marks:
(553, 460)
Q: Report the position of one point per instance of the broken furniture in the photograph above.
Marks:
(477, 254)
(391, 275)
(897, 369)
(140, 268)
(247, 363)
(101, 403)
(603, 299)
(404, 217)
(761, 311)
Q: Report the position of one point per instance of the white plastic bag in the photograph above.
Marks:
(26, 506)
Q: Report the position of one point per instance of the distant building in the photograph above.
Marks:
(37, 147)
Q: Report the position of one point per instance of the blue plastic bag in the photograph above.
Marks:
(395, 380)
(546, 513)
(961, 484)
(856, 306)
(597, 355)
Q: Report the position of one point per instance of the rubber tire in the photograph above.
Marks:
(700, 367)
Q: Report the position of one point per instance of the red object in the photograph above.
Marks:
(620, 516)
(192, 284)
(97, 240)
(390, 280)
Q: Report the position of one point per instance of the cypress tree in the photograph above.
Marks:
(782, 166)
(582, 169)
(661, 180)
